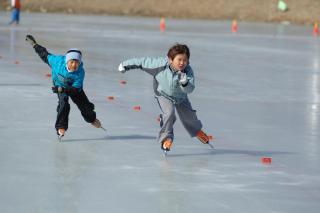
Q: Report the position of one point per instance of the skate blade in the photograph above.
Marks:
(165, 153)
(60, 138)
(103, 128)
(211, 146)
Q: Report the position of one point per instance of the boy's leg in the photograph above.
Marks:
(85, 106)
(63, 110)
(168, 119)
(189, 118)
(190, 121)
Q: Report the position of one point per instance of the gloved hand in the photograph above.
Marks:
(70, 90)
(183, 80)
(56, 89)
(121, 68)
(31, 40)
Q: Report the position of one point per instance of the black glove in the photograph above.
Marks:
(68, 91)
(31, 40)
(71, 90)
(57, 89)
(54, 89)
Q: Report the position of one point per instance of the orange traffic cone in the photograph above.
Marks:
(234, 26)
(266, 160)
(162, 24)
(123, 82)
(137, 108)
(315, 29)
(110, 98)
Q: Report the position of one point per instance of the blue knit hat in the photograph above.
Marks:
(73, 54)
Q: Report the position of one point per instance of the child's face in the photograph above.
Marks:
(73, 65)
(179, 62)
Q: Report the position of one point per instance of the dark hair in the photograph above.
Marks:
(178, 49)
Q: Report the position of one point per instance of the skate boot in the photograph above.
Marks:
(96, 123)
(61, 133)
(203, 137)
(166, 145)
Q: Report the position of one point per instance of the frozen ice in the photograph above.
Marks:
(257, 93)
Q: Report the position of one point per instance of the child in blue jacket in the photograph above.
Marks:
(67, 76)
(15, 7)
(173, 80)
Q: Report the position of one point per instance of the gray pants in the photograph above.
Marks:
(186, 114)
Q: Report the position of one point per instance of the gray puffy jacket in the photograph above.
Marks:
(166, 81)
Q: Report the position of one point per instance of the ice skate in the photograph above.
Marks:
(166, 145)
(204, 138)
(96, 123)
(60, 133)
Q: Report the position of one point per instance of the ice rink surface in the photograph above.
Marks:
(257, 93)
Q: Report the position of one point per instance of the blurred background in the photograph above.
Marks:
(294, 11)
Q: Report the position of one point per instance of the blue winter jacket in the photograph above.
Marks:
(166, 81)
(60, 75)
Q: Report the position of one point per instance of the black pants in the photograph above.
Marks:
(80, 99)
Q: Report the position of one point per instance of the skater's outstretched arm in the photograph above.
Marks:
(150, 65)
(41, 51)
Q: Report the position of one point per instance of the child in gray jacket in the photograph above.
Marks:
(173, 80)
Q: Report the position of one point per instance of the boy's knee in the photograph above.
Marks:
(169, 116)
(169, 113)
(88, 112)
(63, 106)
